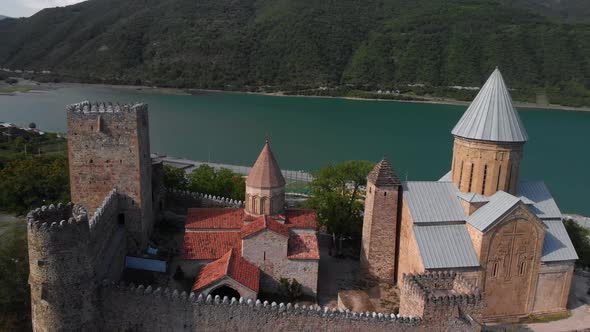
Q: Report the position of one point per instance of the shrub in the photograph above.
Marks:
(291, 290)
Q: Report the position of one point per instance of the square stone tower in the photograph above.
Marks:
(380, 224)
(108, 148)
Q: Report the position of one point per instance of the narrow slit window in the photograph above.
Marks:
(495, 270)
(470, 178)
(461, 174)
(508, 184)
(499, 176)
(521, 268)
(485, 175)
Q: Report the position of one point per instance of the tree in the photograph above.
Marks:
(290, 289)
(338, 199)
(14, 271)
(223, 182)
(580, 237)
(175, 178)
(30, 183)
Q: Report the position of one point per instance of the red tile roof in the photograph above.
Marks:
(232, 265)
(301, 218)
(303, 246)
(209, 245)
(214, 218)
(262, 223)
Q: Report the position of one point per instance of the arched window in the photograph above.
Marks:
(263, 205)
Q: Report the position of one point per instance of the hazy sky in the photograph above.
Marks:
(22, 8)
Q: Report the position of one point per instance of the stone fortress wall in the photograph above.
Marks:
(182, 200)
(441, 299)
(139, 308)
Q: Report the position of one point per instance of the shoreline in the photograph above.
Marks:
(40, 87)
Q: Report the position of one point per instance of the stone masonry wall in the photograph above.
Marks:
(553, 287)
(268, 251)
(146, 309)
(443, 300)
(409, 255)
(61, 274)
(378, 251)
(495, 164)
(108, 148)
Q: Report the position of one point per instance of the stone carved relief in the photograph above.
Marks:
(512, 253)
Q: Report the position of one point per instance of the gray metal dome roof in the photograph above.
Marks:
(491, 116)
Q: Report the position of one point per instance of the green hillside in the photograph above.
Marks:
(302, 44)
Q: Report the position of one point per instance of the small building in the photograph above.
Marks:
(278, 242)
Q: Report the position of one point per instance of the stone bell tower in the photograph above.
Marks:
(489, 141)
(265, 186)
(381, 223)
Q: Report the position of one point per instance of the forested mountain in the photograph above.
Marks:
(569, 10)
(3, 17)
(236, 44)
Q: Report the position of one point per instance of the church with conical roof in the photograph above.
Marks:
(243, 251)
(502, 234)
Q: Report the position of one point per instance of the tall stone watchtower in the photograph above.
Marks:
(383, 203)
(265, 186)
(489, 141)
(109, 149)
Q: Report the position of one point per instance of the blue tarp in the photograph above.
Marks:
(145, 264)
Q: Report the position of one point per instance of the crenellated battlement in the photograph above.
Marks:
(104, 107)
(56, 217)
(193, 199)
(182, 309)
(109, 206)
(440, 297)
(442, 287)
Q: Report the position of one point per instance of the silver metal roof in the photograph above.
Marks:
(491, 116)
(557, 246)
(445, 246)
(473, 197)
(433, 201)
(447, 177)
(544, 205)
(485, 216)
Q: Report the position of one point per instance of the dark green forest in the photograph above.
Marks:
(294, 45)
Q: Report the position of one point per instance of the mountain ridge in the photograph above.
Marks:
(289, 44)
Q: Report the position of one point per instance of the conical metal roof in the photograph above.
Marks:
(491, 116)
(266, 172)
(383, 175)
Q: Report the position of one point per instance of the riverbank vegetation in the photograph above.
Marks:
(289, 45)
(580, 237)
(33, 169)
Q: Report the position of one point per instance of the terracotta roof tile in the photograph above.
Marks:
(301, 219)
(231, 264)
(266, 172)
(214, 218)
(262, 223)
(302, 246)
(209, 245)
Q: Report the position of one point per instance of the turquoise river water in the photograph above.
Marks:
(307, 133)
